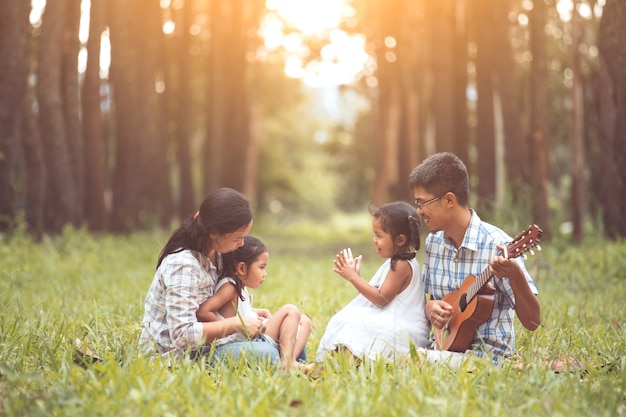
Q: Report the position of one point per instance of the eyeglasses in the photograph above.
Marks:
(420, 204)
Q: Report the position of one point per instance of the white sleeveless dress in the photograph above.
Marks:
(371, 332)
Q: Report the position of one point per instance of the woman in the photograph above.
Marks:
(187, 271)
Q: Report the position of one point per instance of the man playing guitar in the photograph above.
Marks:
(461, 246)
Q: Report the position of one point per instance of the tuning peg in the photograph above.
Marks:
(538, 248)
(525, 257)
(531, 251)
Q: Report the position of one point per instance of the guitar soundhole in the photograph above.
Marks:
(463, 303)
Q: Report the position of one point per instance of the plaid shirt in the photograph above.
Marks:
(446, 267)
(183, 281)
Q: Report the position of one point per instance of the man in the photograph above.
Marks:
(461, 244)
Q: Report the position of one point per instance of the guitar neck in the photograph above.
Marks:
(480, 282)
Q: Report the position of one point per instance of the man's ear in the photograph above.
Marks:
(450, 198)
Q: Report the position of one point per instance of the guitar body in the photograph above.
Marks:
(457, 335)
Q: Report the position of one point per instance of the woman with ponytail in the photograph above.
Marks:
(387, 317)
(187, 271)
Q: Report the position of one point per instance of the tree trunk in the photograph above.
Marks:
(578, 128)
(460, 123)
(612, 38)
(71, 105)
(61, 194)
(442, 60)
(485, 128)
(151, 168)
(235, 135)
(35, 170)
(14, 50)
(183, 40)
(538, 142)
(124, 76)
(94, 156)
(507, 85)
(389, 103)
(216, 99)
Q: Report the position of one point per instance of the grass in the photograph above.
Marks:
(87, 289)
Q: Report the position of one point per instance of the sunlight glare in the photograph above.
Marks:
(36, 11)
(310, 17)
(343, 58)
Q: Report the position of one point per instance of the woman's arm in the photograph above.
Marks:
(224, 301)
(213, 330)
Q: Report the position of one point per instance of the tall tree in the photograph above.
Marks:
(483, 19)
(34, 168)
(538, 138)
(216, 90)
(577, 136)
(123, 21)
(441, 26)
(182, 39)
(612, 38)
(460, 56)
(71, 104)
(389, 99)
(507, 86)
(152, 170)
(14, 36)
(94, 156)
(228, 133)
(61, 192)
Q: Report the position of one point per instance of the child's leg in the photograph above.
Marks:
(303, 335)
(283, 327)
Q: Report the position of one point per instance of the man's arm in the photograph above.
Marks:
(527, 305)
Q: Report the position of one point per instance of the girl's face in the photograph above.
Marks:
(383, 241)
(231, 241)
(253, 275)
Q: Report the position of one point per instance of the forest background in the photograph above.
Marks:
(119, 116)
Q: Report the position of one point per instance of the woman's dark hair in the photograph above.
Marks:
(222, 212)
(248, 253)
(399, 218)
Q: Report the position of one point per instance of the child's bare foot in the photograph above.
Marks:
(311, 370)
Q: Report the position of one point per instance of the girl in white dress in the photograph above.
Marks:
(387, 316)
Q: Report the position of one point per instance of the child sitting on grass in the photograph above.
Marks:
(387, 316)
(287, 329)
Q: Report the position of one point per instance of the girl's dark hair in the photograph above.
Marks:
(222, 212)
(248, 253)
(399, 218)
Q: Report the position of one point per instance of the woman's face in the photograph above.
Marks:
(231, 241)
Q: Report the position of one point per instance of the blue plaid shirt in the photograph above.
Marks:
(446, 267)
(183, 281)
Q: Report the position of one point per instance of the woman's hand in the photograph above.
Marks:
(262, 312)
(253, 326)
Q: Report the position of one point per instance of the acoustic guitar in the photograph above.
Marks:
(473, 303)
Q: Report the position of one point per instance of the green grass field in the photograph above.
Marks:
(86, 289)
